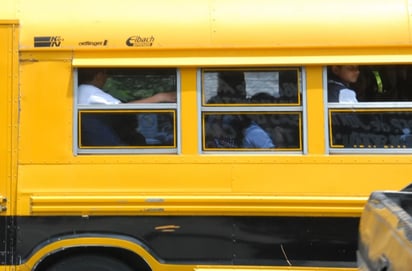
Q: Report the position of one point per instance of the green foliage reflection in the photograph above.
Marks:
(133, 84)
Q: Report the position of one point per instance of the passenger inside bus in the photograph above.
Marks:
(375, 126)
(385, 83)
(249, 133)
(239, 131)
(231, 88)
(340, 79)
(262, 97)
(91, 82)
(103, 129)
(236, 131)
(374, 83)
(109, 129)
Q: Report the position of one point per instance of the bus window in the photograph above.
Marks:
(251, 109)
(379, 117)
(134, 128)
(257, 130)
(267, 86)
(126, 110)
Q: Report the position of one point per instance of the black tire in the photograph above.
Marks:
(89, 262)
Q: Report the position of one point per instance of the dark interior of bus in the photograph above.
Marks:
(384, 83)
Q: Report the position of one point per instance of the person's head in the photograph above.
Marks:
(238, 122)
(93, 76)
(346, 73)
(232, 85)
(262, 97)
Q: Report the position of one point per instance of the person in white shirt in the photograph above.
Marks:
(339, 81)
(91, 84)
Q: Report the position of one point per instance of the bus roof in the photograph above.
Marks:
(185, 24)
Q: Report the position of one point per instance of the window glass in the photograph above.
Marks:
(251, 109)
(370, 107)
(267, 86)
(126, 109)
(369, 83)
(258, 130)
(120, 129)
(133, 84)
(371, 128)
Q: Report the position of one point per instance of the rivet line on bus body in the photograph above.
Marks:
(153, 210)
(154, 200)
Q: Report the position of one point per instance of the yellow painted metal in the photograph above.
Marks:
(316, 110)
(46, 101)
(8, 114)
(214, 24)
(8, 11)
(158, 204)
(188, 91)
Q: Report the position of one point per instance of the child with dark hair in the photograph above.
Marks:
(339, 80)
(248, 133)
(231, 88)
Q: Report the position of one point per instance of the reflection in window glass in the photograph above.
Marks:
(255, 109)
(267, 86)
(119, 129)
(133, 84)
(258, 130)
(367, 108)
(369, 83)
(371, 129)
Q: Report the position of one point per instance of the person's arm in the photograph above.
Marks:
(162, 97)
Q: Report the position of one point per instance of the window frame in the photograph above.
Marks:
(128, 107)
(299, 108)
(360, 107)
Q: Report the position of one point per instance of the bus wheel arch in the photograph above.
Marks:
(85, 257)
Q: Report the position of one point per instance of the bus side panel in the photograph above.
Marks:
(46, 109)
(207, 240)
(6, 92)
(8, 118)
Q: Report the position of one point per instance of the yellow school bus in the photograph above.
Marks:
(211, 143)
